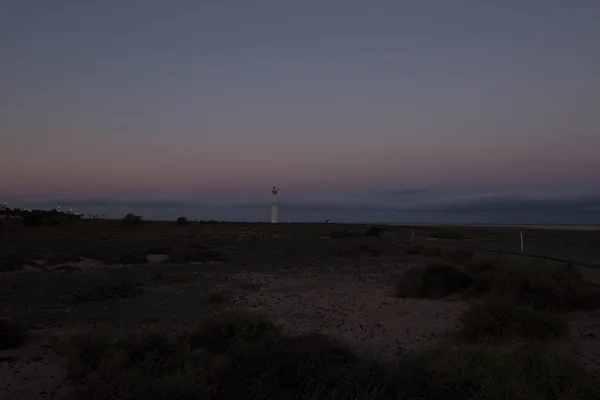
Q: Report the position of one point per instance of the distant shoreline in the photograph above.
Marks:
(524, 226)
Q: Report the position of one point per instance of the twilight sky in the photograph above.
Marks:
(222, 98)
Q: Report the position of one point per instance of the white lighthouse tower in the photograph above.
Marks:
(274, 205)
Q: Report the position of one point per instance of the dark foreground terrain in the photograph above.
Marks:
(156, 310)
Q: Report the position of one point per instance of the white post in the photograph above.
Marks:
(274, 205)
(412, 231)
(521, 242)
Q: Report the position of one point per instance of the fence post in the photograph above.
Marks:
(521, 242)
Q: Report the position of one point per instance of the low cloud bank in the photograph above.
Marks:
(389, 205)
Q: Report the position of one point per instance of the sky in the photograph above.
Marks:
(124, 102)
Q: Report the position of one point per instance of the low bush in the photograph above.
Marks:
(131, 220)
(230, 330)
(447, 234)
(150, 365)
(374, 231)
(341, 234)
(194, 253)
(108, 291)
(542, 286)
(12, 334)
(424, 251)
(457, 256)
(434, 281)
(182, 221)
(500, 319)
(216, 298)
(487, 373)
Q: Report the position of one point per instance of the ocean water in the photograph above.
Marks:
(258, 214)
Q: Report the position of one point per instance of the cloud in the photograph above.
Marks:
(401, 192)
(106, 202)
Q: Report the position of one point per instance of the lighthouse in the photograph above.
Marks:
(274, 205)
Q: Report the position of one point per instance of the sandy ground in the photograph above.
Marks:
(353, 304)
(305, 281)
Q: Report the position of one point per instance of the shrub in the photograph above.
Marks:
(499, 319)
(131, 220)
(457, 256)
(195, 254)
(86, 352)
(12, 334)
(434, 281)
(341, 234)
(230, 330)
(216, 298)
(424, 251)
(542, 286)
(132, 257)
(182, 221)
(483, 372)
(33, 218)
(374, 231)
(144, 365)
(305, 367)
(447, 234)
(108, 291)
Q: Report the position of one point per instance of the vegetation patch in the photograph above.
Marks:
(542, 286)
(487, 373)
(447, 234)
(12, 334)
(341, 234)
(58, 258)
(231, 330)
(151, 365)
(15, 261)
(195, 253)
(424, 251)
(109, 291)
(216, 298)
(457, 256)
(436, 280)
(131, 220)
(501, 319)
(374, 231)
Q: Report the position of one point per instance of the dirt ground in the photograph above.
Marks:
(302, 277)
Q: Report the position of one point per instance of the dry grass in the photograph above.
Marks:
(240, 355)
